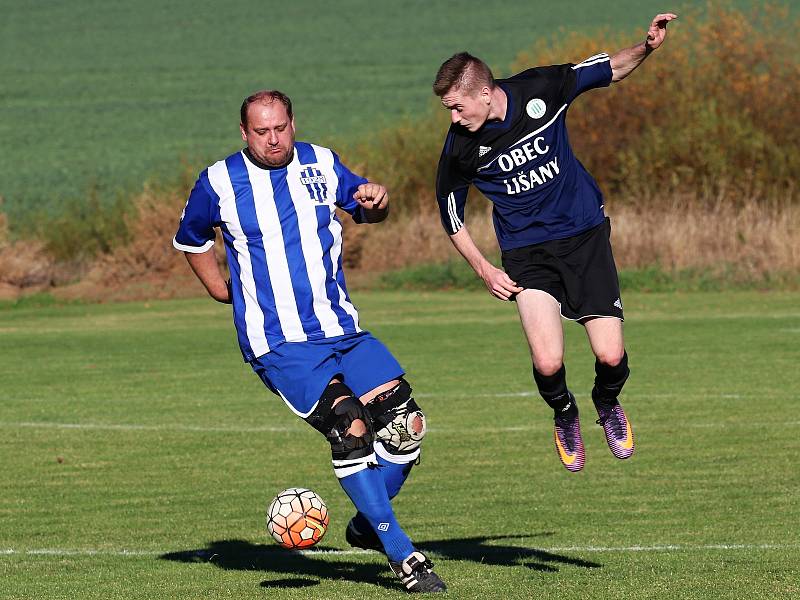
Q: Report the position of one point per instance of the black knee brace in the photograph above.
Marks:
(350, 453)
(609, 380)
(399, 423)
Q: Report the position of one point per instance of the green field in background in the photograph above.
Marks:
(101, 96)
(136, 446)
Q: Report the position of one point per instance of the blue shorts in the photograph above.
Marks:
(300, 371)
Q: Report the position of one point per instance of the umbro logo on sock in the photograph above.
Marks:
(383, 527)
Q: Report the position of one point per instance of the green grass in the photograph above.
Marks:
(456, 274)
(101, 96)
(136, 428)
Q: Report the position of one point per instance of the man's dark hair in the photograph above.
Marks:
(463, 72)
(265, 97)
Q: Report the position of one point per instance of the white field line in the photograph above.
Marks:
(531, 393)
(290, 429)
(135, 427)
(671, 548)
(584, 549)
(438, 321)
(299, 427)
(85, 552)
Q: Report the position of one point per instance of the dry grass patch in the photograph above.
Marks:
(754, 239)
(745, 242)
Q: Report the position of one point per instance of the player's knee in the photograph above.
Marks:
(399, 423)
(610, 357)
(357, 429)
(548, 365)
(347, 426)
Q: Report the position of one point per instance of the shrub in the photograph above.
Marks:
(714, 111)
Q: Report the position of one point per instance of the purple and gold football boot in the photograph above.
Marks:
(615, 425)
(567, 433)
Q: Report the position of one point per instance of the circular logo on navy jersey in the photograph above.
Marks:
(536, 108)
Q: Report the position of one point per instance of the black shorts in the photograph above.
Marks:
(579, 272)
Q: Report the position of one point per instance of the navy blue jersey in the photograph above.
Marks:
(524, 164)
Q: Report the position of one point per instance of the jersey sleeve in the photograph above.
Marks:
(451, 188)
(594, 72)
(348, 184)
(569, 80)
(196, 230)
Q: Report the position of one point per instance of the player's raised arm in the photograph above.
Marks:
(625, 61)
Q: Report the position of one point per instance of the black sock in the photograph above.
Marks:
(609, 380)
(553, 388)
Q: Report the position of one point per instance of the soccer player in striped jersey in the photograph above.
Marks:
(275, 203)
(508, 138)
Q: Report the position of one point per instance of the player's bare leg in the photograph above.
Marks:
(606, 339)
(611, 369)
(541, 320)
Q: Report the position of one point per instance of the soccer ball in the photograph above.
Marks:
(297, 518)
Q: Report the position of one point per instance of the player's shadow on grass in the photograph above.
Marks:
(306, 570)
(477, 549)
(309, 569)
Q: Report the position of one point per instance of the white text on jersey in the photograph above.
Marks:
(536, 176)
(517, 157)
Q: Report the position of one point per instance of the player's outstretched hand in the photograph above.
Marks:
(499, 283)
(372, 196)
(658, 30)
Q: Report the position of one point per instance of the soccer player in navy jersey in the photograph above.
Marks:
(508, 138)
(275, 203)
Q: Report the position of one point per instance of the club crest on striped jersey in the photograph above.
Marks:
(315, 183)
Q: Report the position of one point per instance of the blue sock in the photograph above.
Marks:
(367, 490)
(394, 476)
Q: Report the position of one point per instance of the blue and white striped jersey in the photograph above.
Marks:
(283, 243)
(524, 164)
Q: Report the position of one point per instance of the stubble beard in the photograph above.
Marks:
(276, 160)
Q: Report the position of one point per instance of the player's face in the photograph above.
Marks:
(269, 133)
(467, 109)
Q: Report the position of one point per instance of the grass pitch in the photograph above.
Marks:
(100, 96)
(139, 454)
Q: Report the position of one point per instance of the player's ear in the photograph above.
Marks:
(486, 94)
(244, 131)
